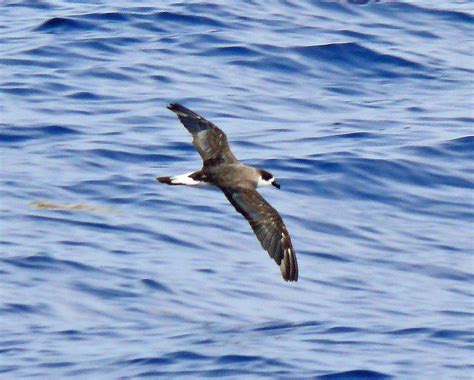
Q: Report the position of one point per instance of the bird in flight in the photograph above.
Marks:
(238, 182)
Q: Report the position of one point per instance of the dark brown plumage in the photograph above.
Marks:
(238, 182)
(212, 145)
(268, 226)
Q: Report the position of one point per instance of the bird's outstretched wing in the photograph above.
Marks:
(268, 226)
(209, 140)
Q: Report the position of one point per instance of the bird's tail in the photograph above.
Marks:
(183, 179)
(166, 180)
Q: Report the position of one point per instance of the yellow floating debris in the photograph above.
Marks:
(45, 205)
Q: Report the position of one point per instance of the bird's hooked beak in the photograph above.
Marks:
(276, 184)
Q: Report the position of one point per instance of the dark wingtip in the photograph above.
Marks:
(173, 106)
(293, 277)
(289, 265)
(178, 108)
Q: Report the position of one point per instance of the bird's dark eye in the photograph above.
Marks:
(266, 175)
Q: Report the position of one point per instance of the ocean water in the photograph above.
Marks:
(362, 110)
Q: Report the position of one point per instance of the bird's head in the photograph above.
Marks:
(267, 179)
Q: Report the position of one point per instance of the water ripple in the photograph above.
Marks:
(362, 110)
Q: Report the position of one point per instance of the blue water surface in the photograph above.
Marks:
(362, 109)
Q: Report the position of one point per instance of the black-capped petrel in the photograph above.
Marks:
(238, 182)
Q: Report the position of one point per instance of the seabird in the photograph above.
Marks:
(238, 182)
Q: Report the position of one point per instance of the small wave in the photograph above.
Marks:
(153, 284)
(180, 18)
(331, 257)
(358, 374)
(104, 292)
(42, 262)
(64, 24)
(285, 65)
(102, 46)
(123, 156)
(358, 57)
(107, 16)
(399, 170)
(414, 10)
(14, 135)
(277, 327)
(230, 51)
(226, 359)
(463, 146)
(451, 334)
(411, 331)
(13, 138)
(21, 308)
(186, 355)
(84, 95)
